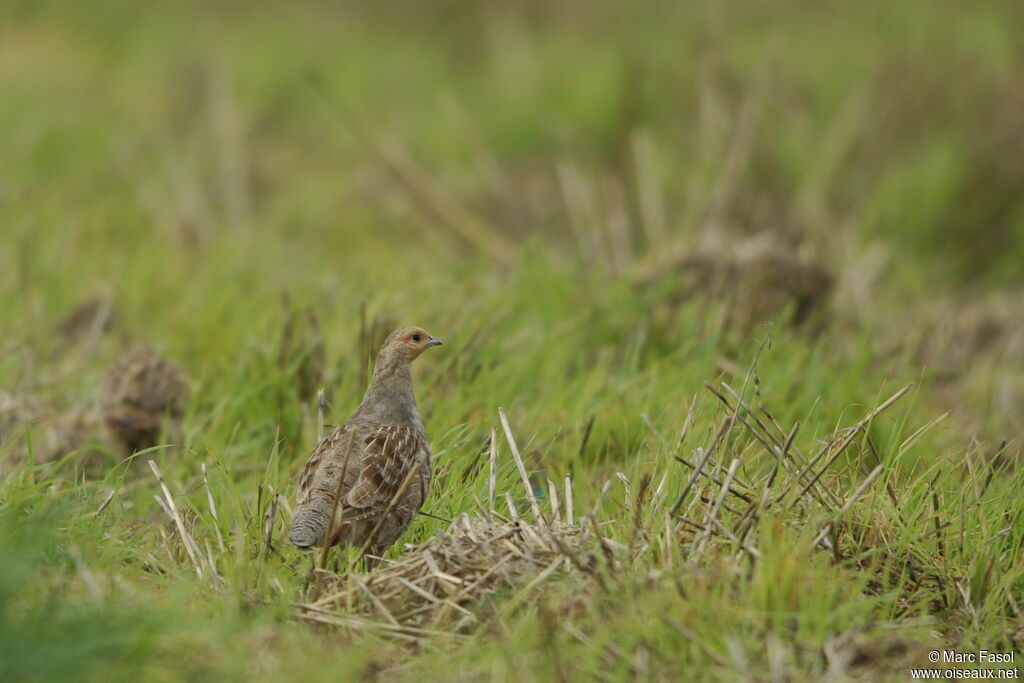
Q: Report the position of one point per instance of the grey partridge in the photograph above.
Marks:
(143, 397)
(367, 479)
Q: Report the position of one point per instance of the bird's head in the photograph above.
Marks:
(407, 343)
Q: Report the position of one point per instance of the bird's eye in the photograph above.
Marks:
(415, 337)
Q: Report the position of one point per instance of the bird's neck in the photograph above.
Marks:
(390, 398)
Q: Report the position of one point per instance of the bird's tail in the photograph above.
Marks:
(308, 529)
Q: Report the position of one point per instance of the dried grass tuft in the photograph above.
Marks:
(758, 279)
(430, 586)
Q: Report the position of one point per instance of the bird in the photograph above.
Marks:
(366, 479)
(143, 397)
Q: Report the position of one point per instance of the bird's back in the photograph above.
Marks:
(378, 473)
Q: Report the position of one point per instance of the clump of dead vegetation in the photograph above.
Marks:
(757, 280)
(436, 584)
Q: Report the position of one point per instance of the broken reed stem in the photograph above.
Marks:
(431, 515)
(556, 507)
(269, 521)
(628, 494)
(570, 516)
(190, 545)
(105, 503)
(513, 513)
(534, 505)
(936, 509)
(492, 480)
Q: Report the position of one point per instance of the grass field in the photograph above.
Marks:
(697, 253)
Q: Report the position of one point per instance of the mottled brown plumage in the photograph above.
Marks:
(143, 398)
(358, 470)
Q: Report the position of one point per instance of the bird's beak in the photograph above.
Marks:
(434, 341)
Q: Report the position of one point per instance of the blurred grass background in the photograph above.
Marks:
(577, 197)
